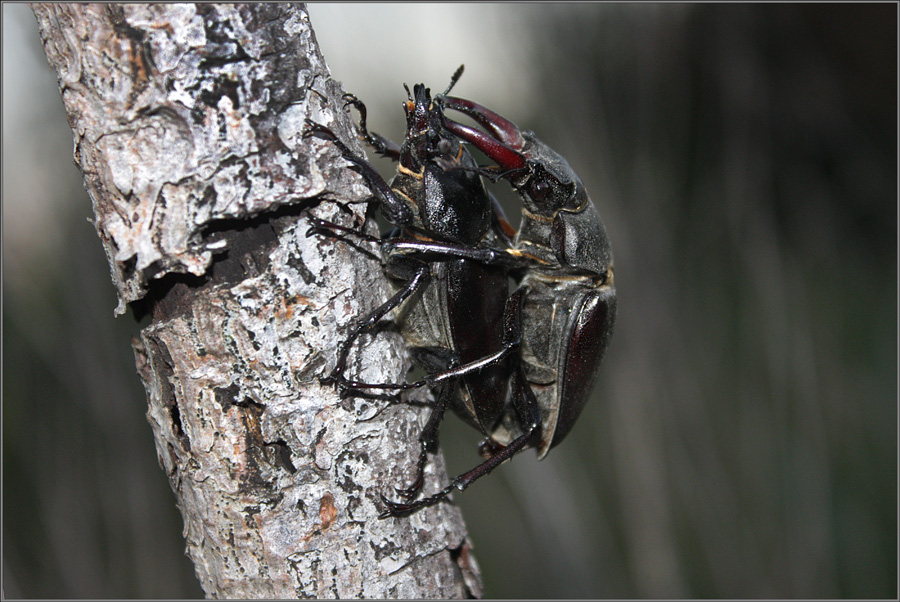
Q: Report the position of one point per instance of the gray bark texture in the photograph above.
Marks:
(188, 122)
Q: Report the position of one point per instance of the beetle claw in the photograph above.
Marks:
(318, 130)
(410, 492)
(489, 447)
(403, 508)
(393, 508)
(328, 381)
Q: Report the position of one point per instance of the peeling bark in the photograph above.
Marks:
(188, 124)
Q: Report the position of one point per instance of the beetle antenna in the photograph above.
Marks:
(454, 79)
(408, 95)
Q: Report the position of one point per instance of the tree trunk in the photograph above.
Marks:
(188, 124)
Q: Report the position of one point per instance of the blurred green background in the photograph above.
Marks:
(742, 442)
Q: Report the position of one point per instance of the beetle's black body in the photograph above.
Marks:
(525, 362)
(460, 321)
(460, 316)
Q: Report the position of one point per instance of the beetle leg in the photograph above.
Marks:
(527, 405)
(512, 338)
(410, 247)
(432, 379)
(331, 229)
(420, 278)
(421, 249)
(395, 210)
(488, 255)
(380, 144)
(427, 439)
(502, 228)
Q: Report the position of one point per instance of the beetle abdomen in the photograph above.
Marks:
(475, 318)
(590, 328)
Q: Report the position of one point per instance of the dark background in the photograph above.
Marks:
(742, 441)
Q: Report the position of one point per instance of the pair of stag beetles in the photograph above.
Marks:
(517, 366)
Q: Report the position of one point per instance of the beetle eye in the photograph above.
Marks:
(538, 188)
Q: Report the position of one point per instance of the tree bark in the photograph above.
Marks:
(188, 123)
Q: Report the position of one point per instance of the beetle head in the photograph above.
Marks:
(419, 128)
(440, 175)
(426, 138)
(550, 189)
(547, 184)
(559, 220)
(541, 176)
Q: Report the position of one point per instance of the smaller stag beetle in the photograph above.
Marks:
(463, 323)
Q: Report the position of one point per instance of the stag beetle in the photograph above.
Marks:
(561, 314)
(570, 299)
(465, 327)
